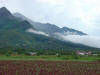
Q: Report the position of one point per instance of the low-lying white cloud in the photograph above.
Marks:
(37, 32)
(93, 41)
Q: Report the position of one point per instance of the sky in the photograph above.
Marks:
(83, 15)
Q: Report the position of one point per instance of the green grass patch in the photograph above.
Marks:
(50, 57)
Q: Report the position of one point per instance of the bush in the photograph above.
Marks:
(76, 57)
(8, 54)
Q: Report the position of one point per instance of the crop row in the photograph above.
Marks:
(49, 68)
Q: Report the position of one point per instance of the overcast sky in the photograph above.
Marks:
(78, 14)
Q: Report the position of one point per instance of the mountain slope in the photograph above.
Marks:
(13, 33)
(50, 28)
(13, 38)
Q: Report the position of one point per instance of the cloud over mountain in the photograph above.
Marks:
(86, 40)
(37, 32)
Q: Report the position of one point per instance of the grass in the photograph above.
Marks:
(49, 58)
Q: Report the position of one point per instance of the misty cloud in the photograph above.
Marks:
(37, 32)
(93, 41)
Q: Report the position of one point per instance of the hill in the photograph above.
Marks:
(14, 36)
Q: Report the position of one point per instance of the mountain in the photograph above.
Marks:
(51, 29)
(14, 34)
(9, 22)
(5, 14)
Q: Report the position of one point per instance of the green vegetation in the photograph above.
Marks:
(50, 58)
